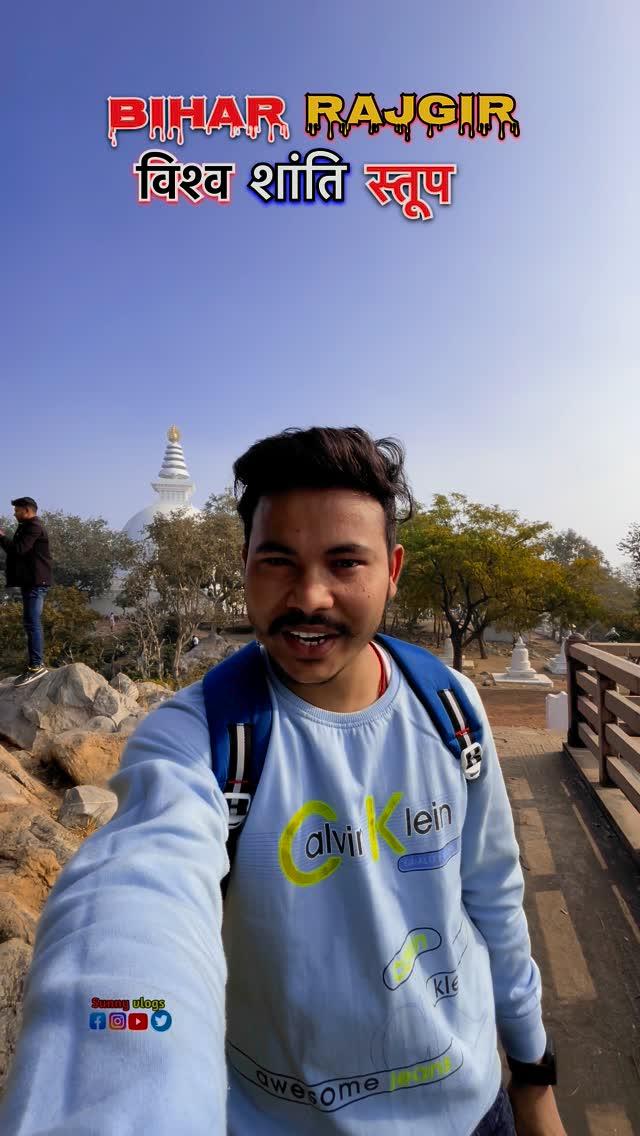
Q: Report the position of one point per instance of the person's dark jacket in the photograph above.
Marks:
(28, 556)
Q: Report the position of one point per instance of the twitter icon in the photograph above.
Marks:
(161, 1021)
(97, 1021)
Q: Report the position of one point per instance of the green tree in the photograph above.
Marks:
(85, 551)
(475, 564)
(566, 546)
(631, 548)
(145, 617)
(575, 587)
(226, 587)
(619, 597)
(176, 567)
(572, 593)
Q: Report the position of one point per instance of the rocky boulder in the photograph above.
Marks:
(76, 719)
(10, 791)
(210, 651)
(16, 921)
(33, 849)
(88, 757)
(15, 958)
(103, 724)
(126, 728)
(151, 694)
(87, 803)
(125, 686)
(19, 786)
(64, 699)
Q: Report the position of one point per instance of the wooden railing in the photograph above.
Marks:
(604, 709)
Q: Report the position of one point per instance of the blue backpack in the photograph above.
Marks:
(239, 714)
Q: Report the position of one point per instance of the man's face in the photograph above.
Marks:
(23, 512)
(317, 578)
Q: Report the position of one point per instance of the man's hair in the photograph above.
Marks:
(25, 503)
(325, 457)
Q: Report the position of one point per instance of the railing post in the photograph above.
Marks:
(604, 715)
(573, 690)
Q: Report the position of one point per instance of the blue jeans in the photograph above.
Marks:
(498, 1121)
(32, 604)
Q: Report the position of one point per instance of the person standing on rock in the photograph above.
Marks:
(28, 567)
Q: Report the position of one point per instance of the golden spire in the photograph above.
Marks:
(173, 434)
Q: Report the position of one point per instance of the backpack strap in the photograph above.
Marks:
(446, 701)
(239, 714)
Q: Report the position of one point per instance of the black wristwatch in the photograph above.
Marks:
(531, 1073)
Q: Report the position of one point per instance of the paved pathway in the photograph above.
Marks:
(583, 905)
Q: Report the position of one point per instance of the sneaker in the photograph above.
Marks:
(30, 675)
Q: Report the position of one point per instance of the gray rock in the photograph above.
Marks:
(87, 802)
(125, 686)
(11, 792)
(129, 724)
(63, 699)
(103, 724)
(109, 703)
(152, 693)
(15, 958)
(15, 921)
(34, 847)
(210, 651)
(12, 767)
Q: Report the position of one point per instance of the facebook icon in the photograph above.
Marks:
(97, 1021)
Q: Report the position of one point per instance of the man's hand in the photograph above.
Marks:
(535, 1110)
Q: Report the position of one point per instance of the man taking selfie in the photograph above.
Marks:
(374, 943)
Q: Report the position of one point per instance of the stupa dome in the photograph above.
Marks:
(174, 488)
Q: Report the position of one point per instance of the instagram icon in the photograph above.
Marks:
(117, 1021)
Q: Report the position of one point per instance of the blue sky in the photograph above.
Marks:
(498, 341)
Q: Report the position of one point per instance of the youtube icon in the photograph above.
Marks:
(138, 1021)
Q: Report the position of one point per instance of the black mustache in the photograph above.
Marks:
(299, 623)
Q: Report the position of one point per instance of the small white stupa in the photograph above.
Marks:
(558, 664)
(173, 486)
(446, 656)
(520, 670)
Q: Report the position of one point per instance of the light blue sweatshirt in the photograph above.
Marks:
(374, 933)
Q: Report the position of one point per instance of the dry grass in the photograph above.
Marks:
(86, 828)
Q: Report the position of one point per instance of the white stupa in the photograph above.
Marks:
(447, 656)
(520, 670)
(174, 488)
(558, 664)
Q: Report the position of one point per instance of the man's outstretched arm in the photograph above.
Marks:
(135, 913)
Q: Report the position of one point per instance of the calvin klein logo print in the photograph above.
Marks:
(445, 983)
(309, 855)
(417, 942)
